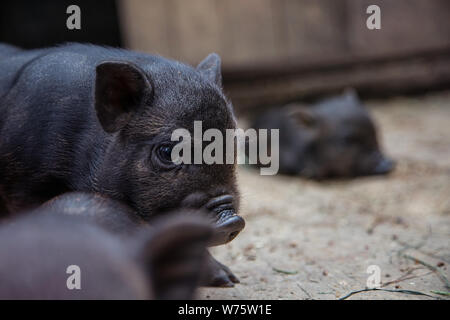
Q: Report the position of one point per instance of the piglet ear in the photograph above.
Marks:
(174, 255)
(302, 115)
(351, 95)
(210, 68)
(120, 88)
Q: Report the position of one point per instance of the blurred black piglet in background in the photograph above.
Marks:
(334, 138)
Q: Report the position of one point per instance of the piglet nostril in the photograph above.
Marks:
(227, 230)
(232, 235)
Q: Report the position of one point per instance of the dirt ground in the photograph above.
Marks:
(309, 240)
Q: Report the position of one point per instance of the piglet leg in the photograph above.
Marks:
(217, 274)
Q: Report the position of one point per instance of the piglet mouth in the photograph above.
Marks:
(227, 223)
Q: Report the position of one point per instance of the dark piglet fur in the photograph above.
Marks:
(335, 138)
(37, 248)
(96, 119)
(109, 214)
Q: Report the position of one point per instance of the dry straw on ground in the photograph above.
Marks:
(308, 240)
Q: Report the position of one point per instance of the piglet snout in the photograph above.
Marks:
(384, 166)
(227, 223)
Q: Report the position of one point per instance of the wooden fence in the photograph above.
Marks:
(274, 51)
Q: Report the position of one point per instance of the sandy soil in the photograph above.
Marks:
(309, 240)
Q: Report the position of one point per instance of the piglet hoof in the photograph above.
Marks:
(218, 275)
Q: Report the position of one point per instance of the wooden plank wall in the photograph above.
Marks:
(259, 39)
(281, 31)
(242, 32)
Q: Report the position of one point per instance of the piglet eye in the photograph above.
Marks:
(164, 153)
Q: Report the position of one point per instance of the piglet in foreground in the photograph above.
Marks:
(41, 253)
(333, 138)
(122, 220)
